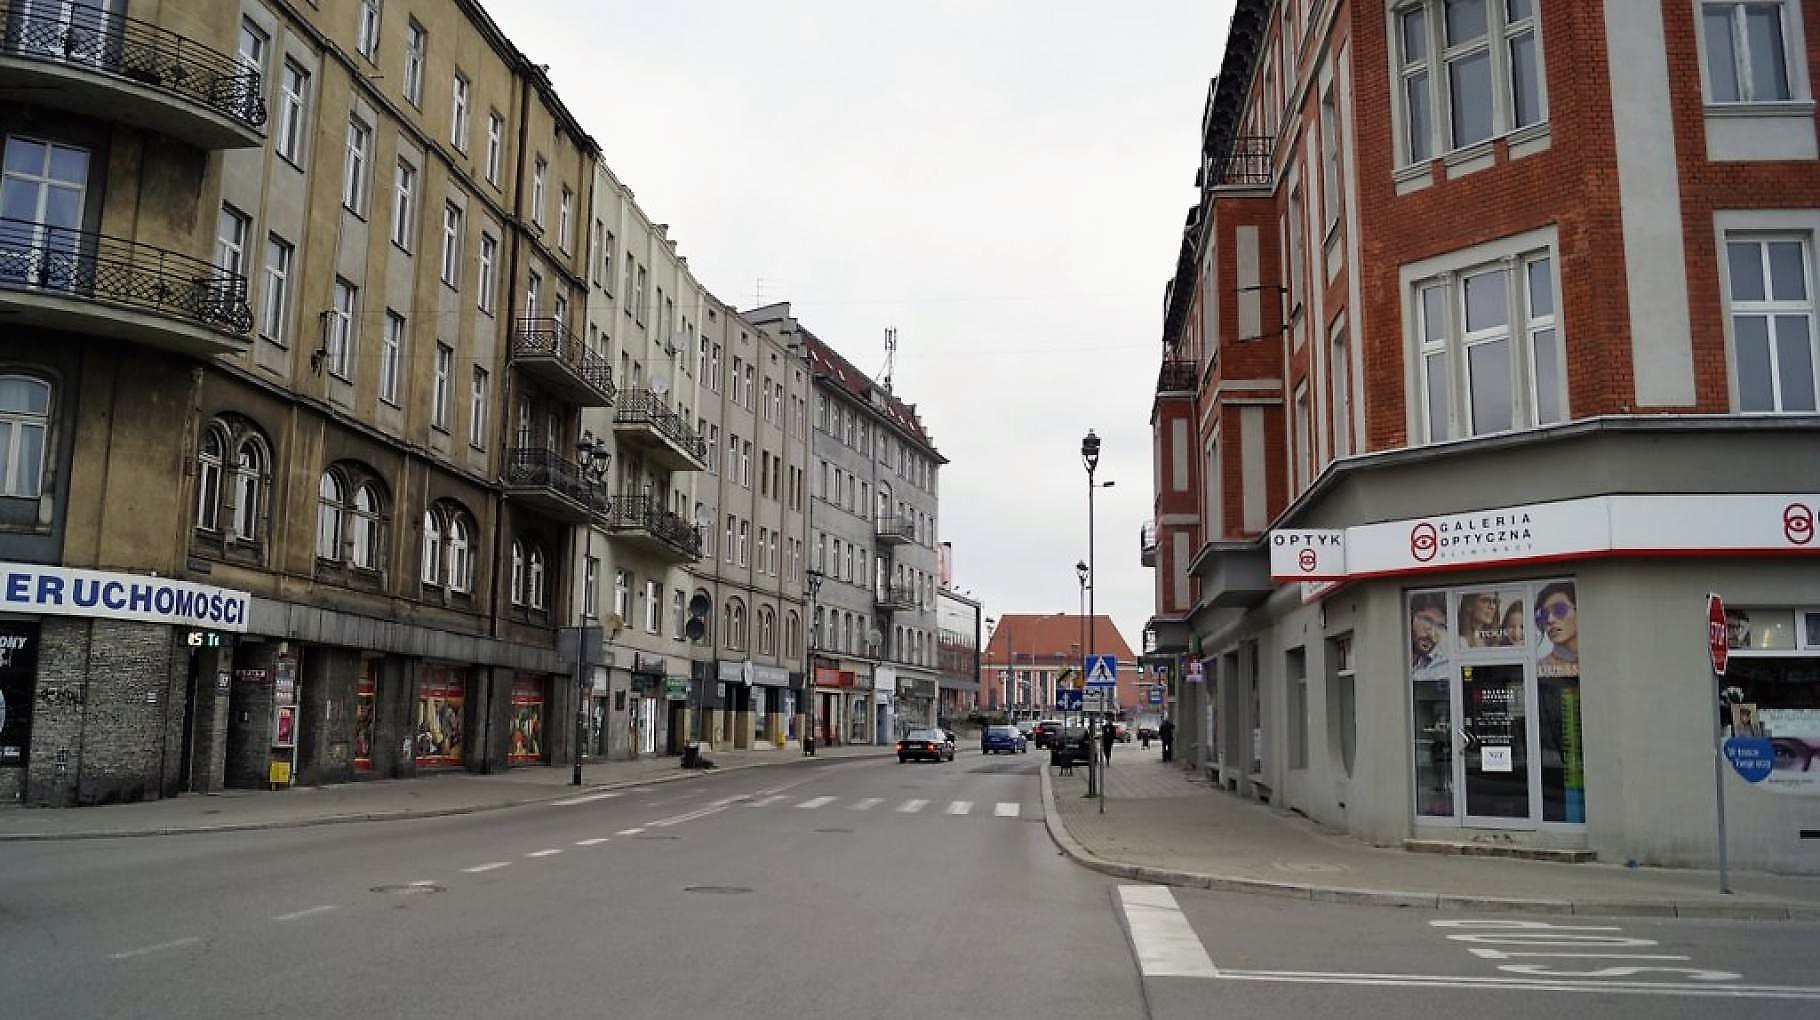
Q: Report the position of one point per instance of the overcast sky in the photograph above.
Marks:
(1003, 181)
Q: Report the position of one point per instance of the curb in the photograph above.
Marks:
(388, 816)
(1743, 911)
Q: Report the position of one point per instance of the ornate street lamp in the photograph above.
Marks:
(592, 457)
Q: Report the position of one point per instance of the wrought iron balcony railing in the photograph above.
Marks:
(92, 38)
(652, 517)
(548, 337)
(1177, 374)
(642, 407)
(900, 529)
(1248, 161)
(536, 467)
(82, 263)
(896, 595)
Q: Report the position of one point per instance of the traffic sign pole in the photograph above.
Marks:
(1718, 653)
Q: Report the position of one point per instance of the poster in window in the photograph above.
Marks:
(1752, 628)
(1777, 699)
(1429, 639)
(284, 729)
(364, 709)
(1557, 620)
(441, 694)
(526, 737)
(1490, 618)
(1556, 646)
(18, 671)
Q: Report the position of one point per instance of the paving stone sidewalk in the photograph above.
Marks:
(379, 800)
(1162, 824)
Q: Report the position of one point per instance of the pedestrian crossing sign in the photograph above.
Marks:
(1102, 671)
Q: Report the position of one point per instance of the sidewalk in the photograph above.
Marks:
(450, 793)
(1163, 825)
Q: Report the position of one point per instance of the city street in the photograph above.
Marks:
(814, 889)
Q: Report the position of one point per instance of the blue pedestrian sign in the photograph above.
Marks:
(1753, 757)
(1156, 694)
(1068, 700)
(1102, 671)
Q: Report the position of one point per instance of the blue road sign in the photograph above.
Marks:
(1102, 671)
(1156, 694)
(1068, 700)
(1753, 757)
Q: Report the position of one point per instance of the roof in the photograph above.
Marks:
(1053, 639)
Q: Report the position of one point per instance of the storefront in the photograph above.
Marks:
(525, 734)
(18, 671)
(366, 714)
(1771, 692)
(441, 715)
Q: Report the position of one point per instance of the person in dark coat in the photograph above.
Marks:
(1108, 733)
(1166, 733)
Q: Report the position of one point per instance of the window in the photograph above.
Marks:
(354, 166)
(654, 606)
(496, 130)
(451, 244)
(638, 297)
(1303, 452)
(677, 618)
(330, 494)
(1488, 81)
(565, 208)
(736, 624)
(416, 41)
(458, 118)
(274, 304)
(1330, 158)
(1490, 348)
(534, 579)
(341, 329)
(533, 294)
(293, 93)
(366, 34)
(439, 391)
(430, 571)
(477, 410)
(745, 539)
(622, 593)
(539, 171)
(745, 463)
(1746, 50)
(209, 459)
(764, 540)
(606, 266)
(364, 528)
(250, 469)
(231, 231)
(765, 637)
(461, 555)
(390, 349)
(1771, 307)
(404, 203)
(518, 573)
(251, 47)
(590, 587)
(1339, 398)
(489, 262)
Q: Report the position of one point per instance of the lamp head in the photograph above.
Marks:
(814, 579)
(1090, 451)
(1080, 571)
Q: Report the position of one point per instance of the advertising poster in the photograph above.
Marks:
(18, 670)
(1429, 645)
(1557, 648)
(285, 727)
(441, 693)
(525, 743)
(1490, 618)
(364, 708)
(1775, 700)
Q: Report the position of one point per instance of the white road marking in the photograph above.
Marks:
(766, 801)
(1527, 984)
(423, 883)
(866, 803)
(639, 789)
(589, 799)
(664, 823)
(489, 866)
(143, 950)
(1161, 937)
(544, 853)
(960, 807)
(735, 799)
(815, 802)
(1005, 809)
(596, 841)
(1499, 954)
(911, 807)
(295, 914)
(630, 832)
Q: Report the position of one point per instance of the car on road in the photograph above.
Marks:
(1003, 738)
(1041, 732)
(925, 745)
(1072, 745)
(1121, 732)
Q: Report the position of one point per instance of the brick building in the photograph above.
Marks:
(1494, 323)
(1029, 656)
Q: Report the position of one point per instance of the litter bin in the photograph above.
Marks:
(691, 757)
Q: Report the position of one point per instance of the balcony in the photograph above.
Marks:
(84, 282)
(82, 59)
(1147, 544)
(546, 350)
(1177, 375)
(669, 444)
(646, 524)
(550, 484)
(1248, 163)
(896, 530)
(895, 597)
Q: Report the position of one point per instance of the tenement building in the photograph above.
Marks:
(871, 533)
(1490, 352)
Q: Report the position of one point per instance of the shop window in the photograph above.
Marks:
(1772, 690)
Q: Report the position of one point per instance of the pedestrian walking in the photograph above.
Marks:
(1166, 733)
(1108, 733)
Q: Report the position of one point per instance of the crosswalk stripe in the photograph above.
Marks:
(911, 807)
(1005, 809)
(960, 807)
(1164, 941)
(866, 803)
(815, 802)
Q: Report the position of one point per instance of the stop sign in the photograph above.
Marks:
(1716, 644)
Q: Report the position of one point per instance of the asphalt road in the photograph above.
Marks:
(855, 889)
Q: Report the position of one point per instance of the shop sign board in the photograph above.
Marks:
(65, 591)
(676, 688)
(1308, 554)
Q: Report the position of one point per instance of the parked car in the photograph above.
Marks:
(1041, 732)
(1121, 732)
(925, 745)
(1071, 746)
(1003, 738)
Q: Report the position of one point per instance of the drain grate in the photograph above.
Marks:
(409, 889)
(723, 890)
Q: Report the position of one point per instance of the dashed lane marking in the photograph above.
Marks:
(306, 912)
(815, 802)
(544, 853)
(630, 832)
(865, 803)
(1006, 809)
(596, 841)
(960, 807)
(911, 807)
(160, 947)
(766, 801)
(489, 866)
(588, 799)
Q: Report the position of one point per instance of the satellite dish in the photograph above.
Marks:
(704, 518)
(660, 384)
(695, 629)
(615, 624)
(699, 605)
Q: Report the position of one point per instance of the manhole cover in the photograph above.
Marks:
(656, 837)
(727, 890)
(833, 830)
(409, 889)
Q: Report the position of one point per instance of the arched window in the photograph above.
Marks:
(250, 466)
(363, 527)
(518, 573)
(330, 494)
(208, 478)
(765, 637)
(25, 419)
(534, 579)
(793, 636)
(818, 635)
(430, 572)
(736, 624)
(897, 642)
(846, 632)
(461, 556)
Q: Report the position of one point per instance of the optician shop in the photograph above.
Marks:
(1533, 676)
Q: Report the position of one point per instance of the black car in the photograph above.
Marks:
(1071, 745)
(925, 745)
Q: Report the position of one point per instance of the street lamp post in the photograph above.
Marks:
(592, 457)
(813, 579)
(1090, 459)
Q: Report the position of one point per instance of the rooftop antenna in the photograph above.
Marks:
(884, 377)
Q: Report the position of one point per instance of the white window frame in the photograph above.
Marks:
(416, 44)
(343, 316)
(366, 29)
(232, 229)
(354, 166)
(488, 282)
(452, 226)
(477, 409)
(439, 389)
(391, 349)
(653, 606)
(540, 173)
(496, 129)
(1500, 36)
(1794, 55)
(211, 469)
(293, 111)
(460, 555)
(274, 304)
(1762, 228)
(404, 202)
(1339, 393)
(565, 214)
(460, 96)
(429, 567)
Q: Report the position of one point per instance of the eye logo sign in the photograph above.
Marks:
(1798, 523)
(1306, 559)
(1423, 542)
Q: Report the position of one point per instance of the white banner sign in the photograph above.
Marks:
(1308, 554)
(63, 591)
